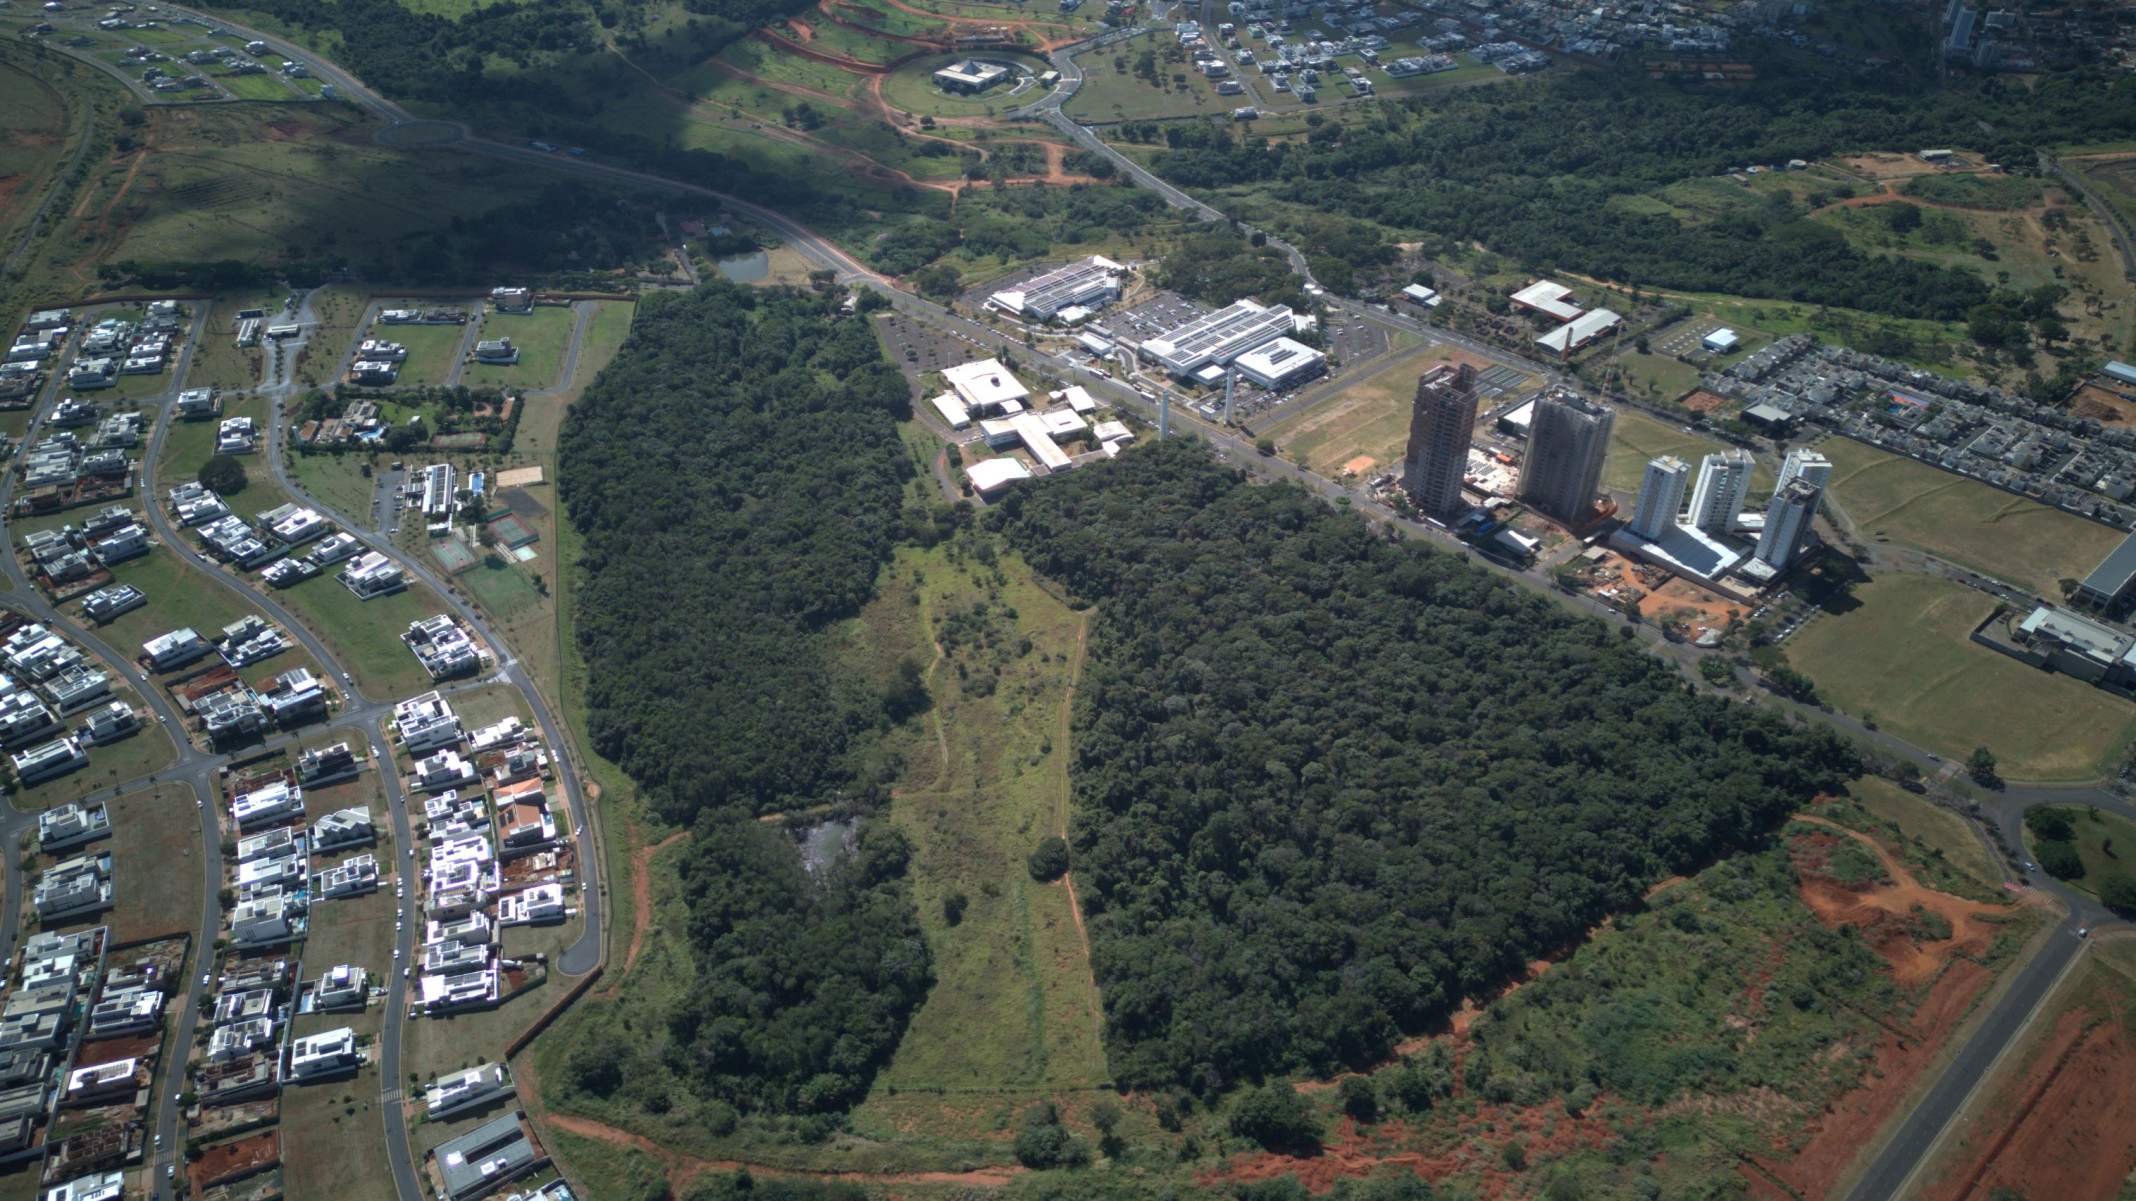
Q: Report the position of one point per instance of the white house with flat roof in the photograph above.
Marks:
(985, 387)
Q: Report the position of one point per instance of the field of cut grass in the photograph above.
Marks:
(2010, 537)
(1363, 426)
(433, 350)
(912, 88)
(218, 362)
(542, 336)
(1902, 658)
(365, 634)
(337, 480)
(1635, 438)
(191, 443)
(180, 595)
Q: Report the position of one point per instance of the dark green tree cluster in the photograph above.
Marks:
(804, 986)
(1221, 267)
(1329, 784)
(1532, 169)
(735, 474)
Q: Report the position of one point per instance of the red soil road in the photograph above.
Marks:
(830, 11)
(2068, 1126)
(1045, 44)
(683, 1169)
(844, 62)
(1838, 1136)
(641, 896)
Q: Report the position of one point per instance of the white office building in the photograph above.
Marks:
(1215, 339)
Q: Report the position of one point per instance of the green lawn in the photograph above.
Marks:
(2106, 844)
(1657, 376)
(912, 87)
(191, 443)
(180, 595)
(1636, 438)
(2015, 539)
(541, 336)
(365, 634)
(218, 362)
(433, 350)
(1902, 657)
(255, 87)
(337, 480)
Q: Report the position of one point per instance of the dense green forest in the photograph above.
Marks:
(1328, 785)
(1529, 169)
(735, 474)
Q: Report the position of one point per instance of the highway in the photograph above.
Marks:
(1896, 1161)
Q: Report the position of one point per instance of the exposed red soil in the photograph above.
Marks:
(1477, 1146)
(2067, 1128)
(1045, 44)
(831, 12)
(1835, 1138)
(1701, 401)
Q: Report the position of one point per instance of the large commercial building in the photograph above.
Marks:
(1723, 481)
(1567, 441)
(1787, 522)
(985, 387)
(1579, 331)
(1661, 496)
(1442, 424)
(2109, 584)
(1214, 339)
(1083, 285)
(971, 76)
(1283, 363)
(1548, 298)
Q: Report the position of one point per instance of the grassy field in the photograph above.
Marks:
(542, 338)
(1013, 1002)
(1976, 191)
(2015, 539)
(1901, 657)
(433, 350)
(218, 362)
(912, 88)
(1367, 420)
(330, 1130)
(191, 443)
(337, 480)
(179, 596)
(1112, 91)
(1636, 438)
(1942, 838)
(1657, 376)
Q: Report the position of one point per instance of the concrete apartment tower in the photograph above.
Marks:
(1568, 437)
(1723, 480)
(1787, 522)
(1806, 464)
(1441, 426)
(1661, 496)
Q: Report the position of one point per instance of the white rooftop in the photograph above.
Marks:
(985, 384)
(1548, 298)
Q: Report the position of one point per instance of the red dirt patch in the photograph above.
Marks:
(1546, 1131)
(1883, 911)
(236, 1159)
(2101, 405)
(1701, 401)
(2070, 1129)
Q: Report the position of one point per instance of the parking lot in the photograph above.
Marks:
(1687, 340)
(919, 348)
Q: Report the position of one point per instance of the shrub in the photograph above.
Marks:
(1043, 1142)
(2048, 824)
(1050, 861)
(1276, 1118)
(2059, 859)
(1359, 1099)
(223, 475)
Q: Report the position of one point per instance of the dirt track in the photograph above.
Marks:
(641, 895)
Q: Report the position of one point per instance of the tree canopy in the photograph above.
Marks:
(1328, 785)
(735, 474)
